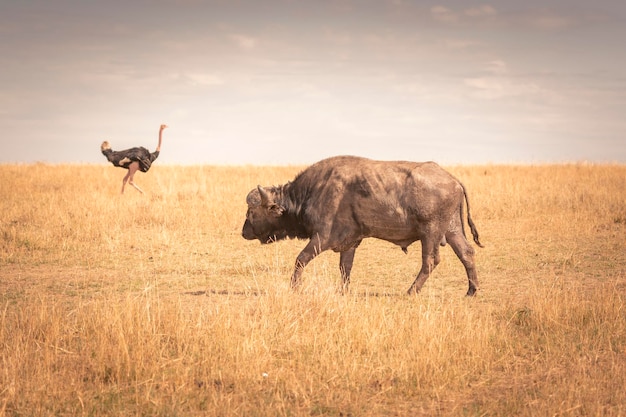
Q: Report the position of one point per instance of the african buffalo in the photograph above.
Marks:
(339, 201)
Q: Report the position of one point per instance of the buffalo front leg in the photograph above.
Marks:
(310, 251)
(346, 258)
(430, 259)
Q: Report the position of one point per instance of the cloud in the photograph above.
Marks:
(558, 19)
(446, 15)
(499, 83)
(531, 18)
(204, 79)
(481, 11)
(244, 42)
(552, 22)
(497, 67)
(457, 44)
(443, 14)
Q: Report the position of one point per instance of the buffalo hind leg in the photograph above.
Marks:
(310, 251)
(430, 259)
(465, 252)
(346, 259)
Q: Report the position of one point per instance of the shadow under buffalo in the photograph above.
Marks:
(362, 294)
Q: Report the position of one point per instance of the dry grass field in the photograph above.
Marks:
(155, 305)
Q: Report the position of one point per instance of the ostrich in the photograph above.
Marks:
(132, 159)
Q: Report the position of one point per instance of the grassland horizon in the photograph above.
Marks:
(155, 305)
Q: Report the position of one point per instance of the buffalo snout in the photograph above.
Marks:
(248, 232)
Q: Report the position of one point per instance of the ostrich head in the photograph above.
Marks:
(163, 127)
(105, 146)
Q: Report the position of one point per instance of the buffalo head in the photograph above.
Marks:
(264, 219)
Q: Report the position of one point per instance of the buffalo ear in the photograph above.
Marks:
(276, 210)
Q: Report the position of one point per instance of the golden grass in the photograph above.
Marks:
(154, 304)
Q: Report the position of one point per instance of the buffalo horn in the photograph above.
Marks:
(265, 198)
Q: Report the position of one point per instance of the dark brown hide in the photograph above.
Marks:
(339, 201)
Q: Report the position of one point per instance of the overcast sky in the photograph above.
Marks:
(293, 81)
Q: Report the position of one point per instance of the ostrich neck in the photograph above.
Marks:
(158, 149)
